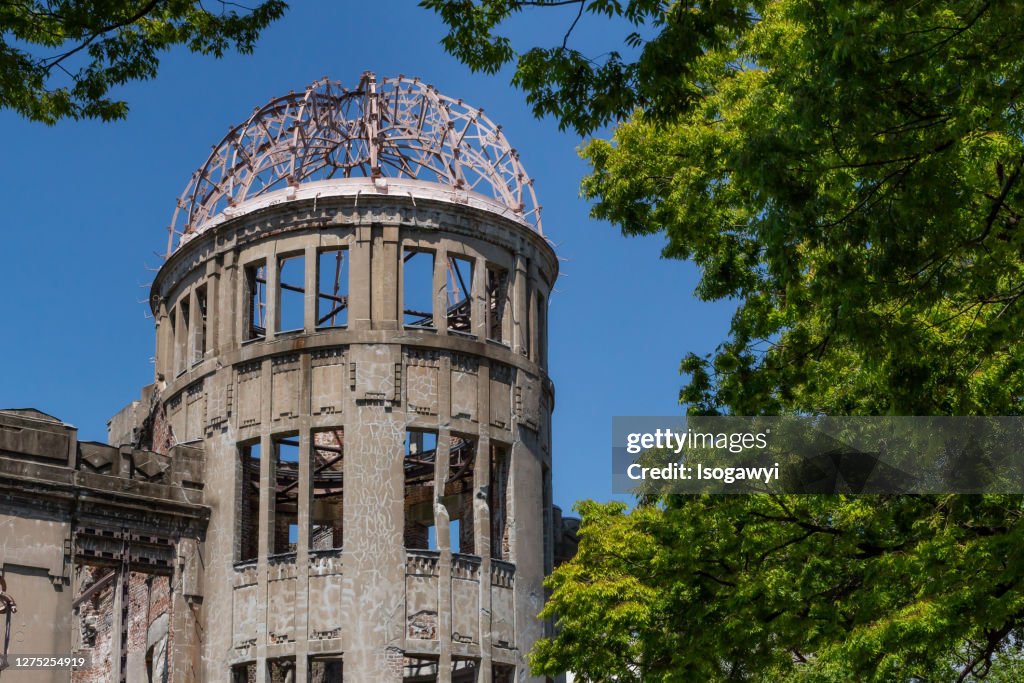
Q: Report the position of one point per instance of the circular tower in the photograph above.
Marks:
(352, 321)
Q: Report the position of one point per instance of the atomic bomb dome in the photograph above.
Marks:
(399, 128)
(342, 468)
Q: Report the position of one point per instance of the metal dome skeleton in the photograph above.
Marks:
(398, 128)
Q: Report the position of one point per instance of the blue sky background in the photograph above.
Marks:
(86, 207)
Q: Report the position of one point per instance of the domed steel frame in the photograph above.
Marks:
(399, 128)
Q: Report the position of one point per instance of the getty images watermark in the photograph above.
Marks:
(664, 440)
(658, 455)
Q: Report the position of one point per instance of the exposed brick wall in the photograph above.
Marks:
(96, 622)
(149, 599)
(138, 607)
(417, 535)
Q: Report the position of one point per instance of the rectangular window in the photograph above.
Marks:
(497, 301)
(332, 288)
(243, 673)
(503, 673)
(285, 511)
(325, 669)
(199, 341)
(249, 504)
(256, 296)
(501, 542)
(172, 318)
(458, 493)
(528, 322)
(328, 464)
(281, 670)
(418, 288)
(465, 670)
(419, 669)
(420, 458)
(454, 524)
(291, 293)
(459, 292)
(181, 340)
(542, 331)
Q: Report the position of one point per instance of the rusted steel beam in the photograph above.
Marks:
(391, 128)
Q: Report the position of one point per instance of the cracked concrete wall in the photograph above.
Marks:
(374, 603)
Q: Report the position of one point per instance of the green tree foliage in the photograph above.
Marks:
(849, 174)
(60, 59)
(800, 588)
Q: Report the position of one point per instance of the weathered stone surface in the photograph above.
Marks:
(305, 496)
(327, 395)
(249, 378)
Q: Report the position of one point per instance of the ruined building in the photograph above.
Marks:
(343, 468)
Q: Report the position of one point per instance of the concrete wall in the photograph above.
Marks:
(389, 611)
(98, 549)
(32, 564)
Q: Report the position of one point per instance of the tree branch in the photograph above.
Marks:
(47, 64)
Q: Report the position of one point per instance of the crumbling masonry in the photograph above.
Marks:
(343, 468)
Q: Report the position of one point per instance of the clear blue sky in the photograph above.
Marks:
(86, 207)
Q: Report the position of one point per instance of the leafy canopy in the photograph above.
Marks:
(60, 59)
(849, 174)
(799, 588)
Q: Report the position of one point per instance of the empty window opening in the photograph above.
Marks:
(284, 515)
(332, 288)
(281, 670)
(199, 341)
(172, 318)
(459, 292)
(418, 288)
(291, 288)
(328, 465)
(419, 669)
(244, 673)
(420, 458)
(453, 534)
(249, 505)
(501, 541)
(458, 493)
(527, 326)
(542, 331)
(497, 301)
(256, 294)
(181, 340)
(325, 669)
(502, 673)
(465, 670)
